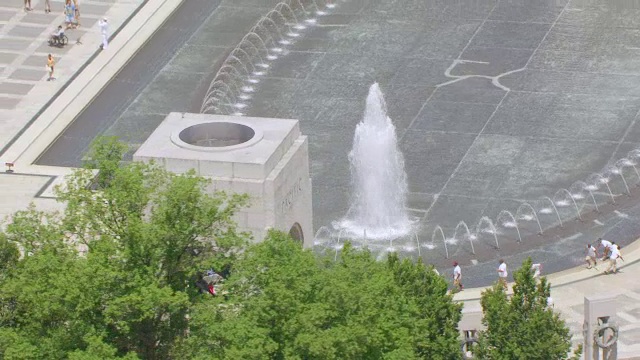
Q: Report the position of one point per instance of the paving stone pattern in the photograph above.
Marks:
(24, 49)
(569, 301)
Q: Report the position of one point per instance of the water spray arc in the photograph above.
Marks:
(262, 44)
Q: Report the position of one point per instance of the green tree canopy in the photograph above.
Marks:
(522, 326)
(285, 303)
(113, 276)
(147, 234)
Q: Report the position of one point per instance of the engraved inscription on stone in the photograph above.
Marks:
(291, 196)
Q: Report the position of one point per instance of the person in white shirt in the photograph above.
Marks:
(502, 274)
(537, 270)
(613, 260)
(56, 36)
(592, 255)
(104, 30)
(550, 302)
(457, 276)
(606, 245)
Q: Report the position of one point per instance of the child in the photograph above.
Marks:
(50, 64)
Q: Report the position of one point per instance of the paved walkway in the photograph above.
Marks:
(568, 289)
(24, 48)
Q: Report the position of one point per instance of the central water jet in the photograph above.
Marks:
(379, 182)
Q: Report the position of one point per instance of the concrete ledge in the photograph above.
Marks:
(89, 84)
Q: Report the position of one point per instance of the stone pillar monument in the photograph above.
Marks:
(600, 330)
(469, 325)
(264, 158)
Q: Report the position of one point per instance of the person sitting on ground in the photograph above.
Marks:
(56, 36)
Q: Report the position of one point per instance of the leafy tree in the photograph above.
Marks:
(146, 234)
(522, 326)
(286, 303)
(113, 276)
(9, 255)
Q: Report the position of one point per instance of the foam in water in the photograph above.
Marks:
(379, 182)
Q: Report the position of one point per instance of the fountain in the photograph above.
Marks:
(378, 178)
(628, 162)
(507, 220)
(438, 230)
(318, 239)
(614, 170)
(576, 190)
(488, 228)
(468, 234)
(266, 39)
(566, 199)
(526, 212)
(551, 210)
(595, 180)
(634, 157)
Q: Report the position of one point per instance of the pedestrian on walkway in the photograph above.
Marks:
(51, 62)
(606, 245)
(27, 5)
(537, 270)
(457, 277)
(502, 274)
(77, 13)
(104, 30)
(47, 6)
(613, 260)
(592, 256)
(69, 14)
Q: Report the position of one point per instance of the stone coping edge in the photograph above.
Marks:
(87, 83)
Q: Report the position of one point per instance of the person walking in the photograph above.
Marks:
(606, 245)
(77, 13)
(612, 267)
(47, 6)
(537, 270)
(27, 5)
(592, 256)
(51, 62)
(502, 274)
(457, 277)
(104, 30)
(69, 14)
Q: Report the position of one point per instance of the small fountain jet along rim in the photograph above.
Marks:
(240, 134)
(219, 100)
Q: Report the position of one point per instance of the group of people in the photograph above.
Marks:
(502, 271)
(58, 35)
(71, 11)
(71, 14)
(610, 255)
(71, 19)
